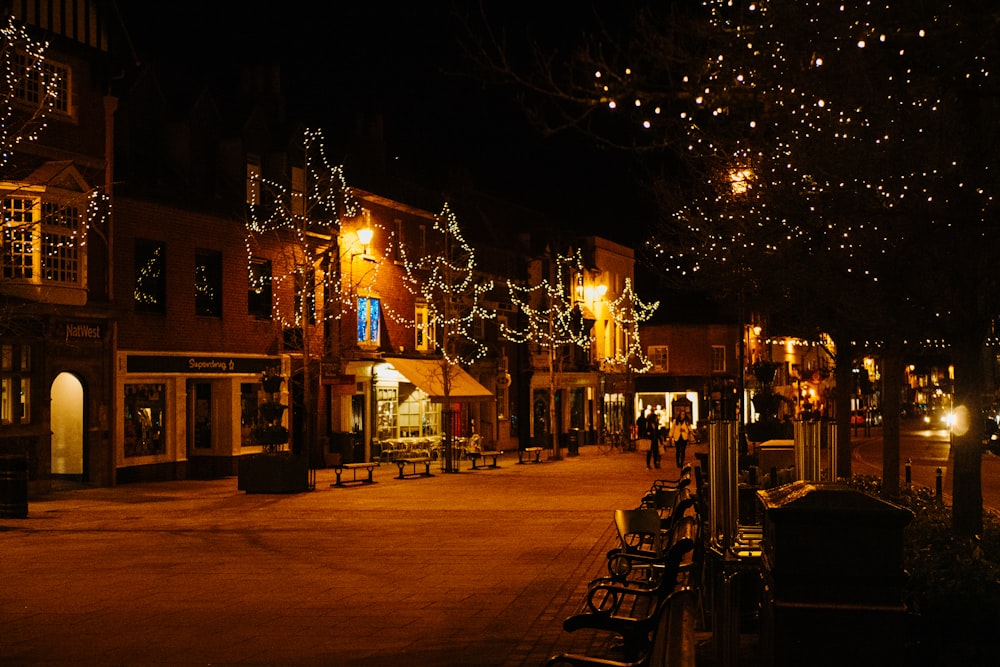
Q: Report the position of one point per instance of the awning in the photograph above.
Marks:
(428, 374)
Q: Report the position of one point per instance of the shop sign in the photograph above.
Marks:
(340, 384)
(80, 331)
(192, 364)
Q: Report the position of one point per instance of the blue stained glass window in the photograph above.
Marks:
(374, 319)
(362, 319)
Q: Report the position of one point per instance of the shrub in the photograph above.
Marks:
(953, 588)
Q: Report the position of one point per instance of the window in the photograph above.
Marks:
(41, 242)
(369, 320)
(305, 296)
(145, 408)
(15, 384)
(660, 356)
(424, 329)
(253, 180)
(259, 289)
(418, 416)
(150, 292)
(40, 80)
(397, 235)
(208, 283)
(718, 359)
(61, 237)
(249, 412)
(386, 405)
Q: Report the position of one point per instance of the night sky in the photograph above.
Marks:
(403, 61)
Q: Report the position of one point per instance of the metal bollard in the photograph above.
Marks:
(937, 486)
(909, 473)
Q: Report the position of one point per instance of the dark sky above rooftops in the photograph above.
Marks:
(402, 60)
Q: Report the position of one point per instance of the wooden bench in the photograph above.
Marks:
(670, 640)
(414, 461)
(527, 452)
(339, 468)
(476, 454)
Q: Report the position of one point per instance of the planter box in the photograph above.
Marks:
(273, 473)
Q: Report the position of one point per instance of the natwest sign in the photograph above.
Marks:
(77, 331)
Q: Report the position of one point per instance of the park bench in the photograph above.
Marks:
(523, 454)
(474, 455)
(670, 641)
(628, 607)
(339, 468)
(644, 537)
(413, 461)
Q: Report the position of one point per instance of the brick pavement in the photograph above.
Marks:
(474, 568)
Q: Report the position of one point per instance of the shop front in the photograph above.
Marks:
(54, 399)
(571, 413)
(188, 415)
(401, 404)
(670, 397)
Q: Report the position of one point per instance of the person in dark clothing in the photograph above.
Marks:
(653, 455)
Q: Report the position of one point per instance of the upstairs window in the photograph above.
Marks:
(718, 359)
(41, 242)
(40, 80)
(659, 355)
(369, 321)
(253, 180)
(259, 289)
(208, 283)
(424, 330)
(150, 290)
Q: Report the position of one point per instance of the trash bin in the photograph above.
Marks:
(343, 442)
(14, 486)
(573, 442)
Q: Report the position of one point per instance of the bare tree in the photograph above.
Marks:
(296, 219)
(549, 318)
(448, 288)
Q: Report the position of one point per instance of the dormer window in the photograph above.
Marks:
(41, 80)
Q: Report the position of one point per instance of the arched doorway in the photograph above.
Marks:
(66, 422)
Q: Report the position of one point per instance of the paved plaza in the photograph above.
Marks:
(472, 568)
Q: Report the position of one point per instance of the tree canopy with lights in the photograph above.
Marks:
(834, 162)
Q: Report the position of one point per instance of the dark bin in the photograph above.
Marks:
(14, 486)
(833, 577)
(573, 442)
(344, 443)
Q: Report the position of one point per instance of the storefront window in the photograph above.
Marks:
(249, 414)
(144, 412)
(387, 402)
(417, 415)
(15, 384)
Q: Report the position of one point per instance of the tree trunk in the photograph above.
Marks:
(842, 407)
(892, 387)
(967, 437)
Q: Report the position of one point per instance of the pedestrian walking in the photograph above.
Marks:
(680, 433)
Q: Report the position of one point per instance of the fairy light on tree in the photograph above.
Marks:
(628, 311)
(447, 286)
(30, 89)
(549, 318)
(298, 223)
